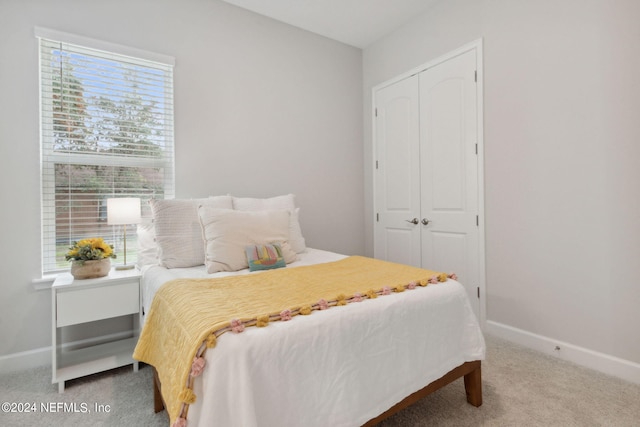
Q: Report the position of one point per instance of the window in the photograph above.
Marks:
(106, 131)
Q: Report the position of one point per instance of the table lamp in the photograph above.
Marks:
(123, 211)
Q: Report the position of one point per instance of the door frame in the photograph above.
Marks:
(477, 46)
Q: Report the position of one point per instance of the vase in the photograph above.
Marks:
(90, 269)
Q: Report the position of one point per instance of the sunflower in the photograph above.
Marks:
(90, 249)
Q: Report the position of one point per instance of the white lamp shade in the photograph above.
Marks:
(123, 210)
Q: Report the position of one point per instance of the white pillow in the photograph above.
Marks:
(228, 232)
(178, 230)
(147, 247)
(278, 203)
(296, 240)
(286, 202)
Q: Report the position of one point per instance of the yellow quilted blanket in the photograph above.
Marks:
(187, 315)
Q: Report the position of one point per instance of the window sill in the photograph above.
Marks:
(44, 283)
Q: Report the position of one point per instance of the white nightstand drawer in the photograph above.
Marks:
(86, 305)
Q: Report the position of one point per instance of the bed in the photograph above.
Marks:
(353, 359)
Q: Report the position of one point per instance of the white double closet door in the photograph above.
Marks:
(426, 183)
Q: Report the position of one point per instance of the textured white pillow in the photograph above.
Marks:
(178, 230)
(147, 247)
(296, 240)
(227, 232)
(278, 203)
(286, 202)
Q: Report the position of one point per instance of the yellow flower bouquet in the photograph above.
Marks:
(89, 250)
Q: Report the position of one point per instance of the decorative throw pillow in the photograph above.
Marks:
(278, 203)
(147, 247)
(287, 203)
(228, 232)
(265, 257)
(296, 240)
(178, 231)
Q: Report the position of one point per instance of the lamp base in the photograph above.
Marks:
(125, 267)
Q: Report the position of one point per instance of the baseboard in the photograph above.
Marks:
(25, 360)
(611, 365)
(42, 356)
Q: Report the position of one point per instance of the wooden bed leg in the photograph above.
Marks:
(158, 403)
(473, 386)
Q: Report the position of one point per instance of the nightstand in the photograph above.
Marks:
(80, 301)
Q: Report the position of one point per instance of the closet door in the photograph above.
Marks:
(397, 173)
(449, 170)
(427, 192)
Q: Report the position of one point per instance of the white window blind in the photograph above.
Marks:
(106, 131)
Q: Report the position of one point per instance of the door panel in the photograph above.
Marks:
(445, 162)
(397, 240)
(449, 251)
(397, 174)
(398, 131)
(449, 164)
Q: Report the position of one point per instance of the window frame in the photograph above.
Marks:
(49, 157)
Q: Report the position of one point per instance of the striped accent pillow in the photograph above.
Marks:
(265, 257)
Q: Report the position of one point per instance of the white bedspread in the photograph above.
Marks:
(337, 367)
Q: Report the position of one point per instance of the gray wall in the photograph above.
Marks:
(562, 156)
(261, 109)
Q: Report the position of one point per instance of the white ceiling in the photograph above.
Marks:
(354, 22)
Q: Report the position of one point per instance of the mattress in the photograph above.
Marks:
(338, 367)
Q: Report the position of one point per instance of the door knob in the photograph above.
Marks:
(425, 221)
(412, 221)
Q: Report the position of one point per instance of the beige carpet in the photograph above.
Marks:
(521, 388)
